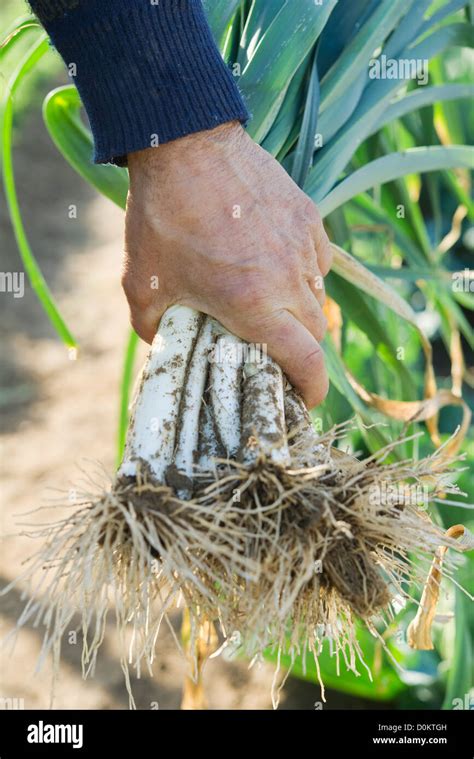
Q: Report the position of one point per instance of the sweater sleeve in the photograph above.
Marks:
(148, 71)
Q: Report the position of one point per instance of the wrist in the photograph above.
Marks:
(211, 143)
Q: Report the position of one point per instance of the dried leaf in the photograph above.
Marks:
(419, 629)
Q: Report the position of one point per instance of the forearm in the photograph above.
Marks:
(147, 73)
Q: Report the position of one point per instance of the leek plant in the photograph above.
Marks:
(366, 147)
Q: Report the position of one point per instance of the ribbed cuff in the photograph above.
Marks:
(147, 73)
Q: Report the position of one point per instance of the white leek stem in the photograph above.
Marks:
(263, 415)
(225, 391)
(300, 428)
(152, 432)
(209, 446)
(188, 435)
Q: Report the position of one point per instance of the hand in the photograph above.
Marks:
(215, 223)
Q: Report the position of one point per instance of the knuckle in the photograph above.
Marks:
(325, 257)
(245, 293)
(311, 211)
(322, 326)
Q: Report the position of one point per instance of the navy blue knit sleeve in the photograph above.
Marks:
(148, 71)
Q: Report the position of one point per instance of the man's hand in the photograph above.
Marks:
(219, 226)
